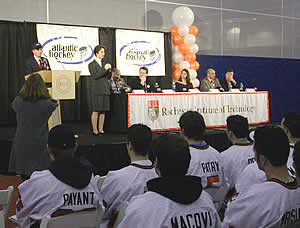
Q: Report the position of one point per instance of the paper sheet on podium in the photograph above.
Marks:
(63, 84)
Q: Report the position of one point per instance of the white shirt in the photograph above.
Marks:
(99, 61)
(121, 185)
(152, 210)
(235, 159)
(44, 194)
(268, 204)
(206, 162)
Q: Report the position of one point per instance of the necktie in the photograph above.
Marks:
(41, 64)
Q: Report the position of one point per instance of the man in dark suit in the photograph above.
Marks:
(116, 83)
(228, 81)
(36, 62)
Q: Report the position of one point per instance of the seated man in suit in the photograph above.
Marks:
(36, 62)
(144, 82)
(210, 81)
(228, 81)
(116, 83)
(68, 185)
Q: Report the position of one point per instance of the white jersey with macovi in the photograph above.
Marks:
(121, 185)
(235, 159)
(154, 210)
(43, 194)
(269, 204)
(290, 161)
(206, 162)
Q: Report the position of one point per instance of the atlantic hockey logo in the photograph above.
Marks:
(153, 109)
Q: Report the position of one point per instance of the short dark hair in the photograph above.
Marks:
(62, 141)
(193, 125)
(144, 68)
(273, 143)
(238, 125)
(229, 70)
(172, 154)
(292, 122)
(140, 136)
(296, 157)
(98, 48)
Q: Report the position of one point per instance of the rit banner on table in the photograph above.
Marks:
(161, 112)
(68, 47)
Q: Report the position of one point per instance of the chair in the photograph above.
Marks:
(86, 219)
(218, 194)
(121, 213)
(99, 181)
(5, 197)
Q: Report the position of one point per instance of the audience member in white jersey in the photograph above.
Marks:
(237, 157)
(68, 185)
(173, 199)
(291, 125)
(205, 160)
(121, 185)
(275, 202)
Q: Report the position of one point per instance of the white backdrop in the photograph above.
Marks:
(68, 47)
(135, 49)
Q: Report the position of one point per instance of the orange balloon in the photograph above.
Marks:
(195, 65)
(193, 30)
(176, 74)
(175, 66)
(173, 29)
(177, 39)
(190, 57)
(184, 48)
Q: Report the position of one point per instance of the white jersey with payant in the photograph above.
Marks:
(235, 159)
(269, 204)
(43, 194)
(206, 162)
(121, 185)
(154, 210)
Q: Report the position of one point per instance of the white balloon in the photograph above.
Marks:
(193, 74)
(195, 83)
(190, 39)
(183, 30)
(194, 48)
(177, 57)
(184, 65)
(183, 16)
(174, 48)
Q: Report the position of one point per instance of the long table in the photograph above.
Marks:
(161, 111)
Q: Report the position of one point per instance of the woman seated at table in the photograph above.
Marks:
(184, 82)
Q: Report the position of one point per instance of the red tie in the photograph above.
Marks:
(41, 64)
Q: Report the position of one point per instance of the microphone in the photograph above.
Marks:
(60, 63)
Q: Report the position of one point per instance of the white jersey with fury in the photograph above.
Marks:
(235, 159)
(154, 210)
(269, 204)
(206, 162)
(121, 185)
(44, 194)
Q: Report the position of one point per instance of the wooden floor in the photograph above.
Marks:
(6, 181)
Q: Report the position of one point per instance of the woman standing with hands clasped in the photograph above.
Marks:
(33, 107)
(100, 73)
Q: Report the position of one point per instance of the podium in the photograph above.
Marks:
(68, 78)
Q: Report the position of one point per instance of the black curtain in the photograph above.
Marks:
(16, 39)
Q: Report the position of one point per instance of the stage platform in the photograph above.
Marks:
(106, 152)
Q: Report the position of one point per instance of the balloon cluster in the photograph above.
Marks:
(184, 48)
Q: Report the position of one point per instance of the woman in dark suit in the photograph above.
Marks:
(100, 73)
(33, 107)
(184, 82)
